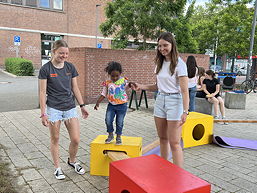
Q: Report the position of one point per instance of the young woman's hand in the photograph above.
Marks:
(84, 112)
(210, 95)
(96, 107)
(44, 121)
(136, 86)
(183, 118)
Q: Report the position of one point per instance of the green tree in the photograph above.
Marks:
(139, 20)
(223, 26)
(182, 30)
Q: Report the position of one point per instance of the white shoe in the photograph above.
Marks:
(59, 174)
(77, 167)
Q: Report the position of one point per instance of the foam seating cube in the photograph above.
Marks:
(235, 100)
(203, 106)
(197, 130)
(153, 174)
(99, 161)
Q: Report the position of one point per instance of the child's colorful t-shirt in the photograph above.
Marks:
(115, 92)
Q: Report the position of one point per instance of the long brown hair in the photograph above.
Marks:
(201, 72)
(167, 36)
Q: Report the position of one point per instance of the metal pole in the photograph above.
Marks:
(96, 24)
(251, 42)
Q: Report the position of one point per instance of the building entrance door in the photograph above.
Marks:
(47, 41)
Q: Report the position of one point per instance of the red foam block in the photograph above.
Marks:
(153, 174)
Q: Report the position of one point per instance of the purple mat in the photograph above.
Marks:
(230, 142)
(156, 151)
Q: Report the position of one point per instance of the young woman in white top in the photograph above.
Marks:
(171, 106)
(192, 71)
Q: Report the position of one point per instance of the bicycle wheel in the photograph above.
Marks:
(246, 86)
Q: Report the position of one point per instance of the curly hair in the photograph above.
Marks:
(113, 66)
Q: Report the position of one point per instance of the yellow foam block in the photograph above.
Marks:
(197, 130)
(99, 161)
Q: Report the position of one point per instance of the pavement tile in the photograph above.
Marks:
(66, 187)
(27, 143)
(30, 174)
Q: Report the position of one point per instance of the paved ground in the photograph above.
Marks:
(26, 144)
(18, 93)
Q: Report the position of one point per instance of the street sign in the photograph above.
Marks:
(17, 40)
(99, 45)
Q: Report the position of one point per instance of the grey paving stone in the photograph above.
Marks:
(34, 155)
(39, 185)
(30, 174)
(66, 187)
(249, 186)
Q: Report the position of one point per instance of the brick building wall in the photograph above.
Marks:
(137, 66)
(77, 22)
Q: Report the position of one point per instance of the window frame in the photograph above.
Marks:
(51, 5)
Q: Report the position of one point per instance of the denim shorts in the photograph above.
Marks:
(57, 115)
(169, 106)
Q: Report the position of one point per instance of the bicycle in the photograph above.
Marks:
(249, 85)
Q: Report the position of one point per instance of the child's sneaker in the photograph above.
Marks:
(59, 174)
(109, 139)
(216, 117)
(118, 140)
(225, 123)
(77, 167)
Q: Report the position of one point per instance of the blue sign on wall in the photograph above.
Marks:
(17, 40)
(99, 45)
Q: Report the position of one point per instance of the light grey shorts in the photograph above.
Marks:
(57, 115)
(169, 106)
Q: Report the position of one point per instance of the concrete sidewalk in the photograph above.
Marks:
(26, 144)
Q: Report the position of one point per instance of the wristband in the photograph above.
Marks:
(186, 112)
(43, 115)
(82, 105)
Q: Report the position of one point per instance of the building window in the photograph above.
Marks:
(44, 3)
(17, 2)
(57, 4)
(48, 4)
(32, 3)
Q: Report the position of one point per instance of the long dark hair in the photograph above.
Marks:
(167, 36)
(191, 66)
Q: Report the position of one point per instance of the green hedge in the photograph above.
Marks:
(19, 66)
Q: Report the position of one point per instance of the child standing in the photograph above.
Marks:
(115, 91)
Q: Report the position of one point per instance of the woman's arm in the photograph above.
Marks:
(149, 87)
(78, 96)
(217, 90)
(42, 100)
(205, 89)
(183, 81)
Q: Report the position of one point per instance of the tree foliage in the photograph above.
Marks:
(223, 26)
(139, 20)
